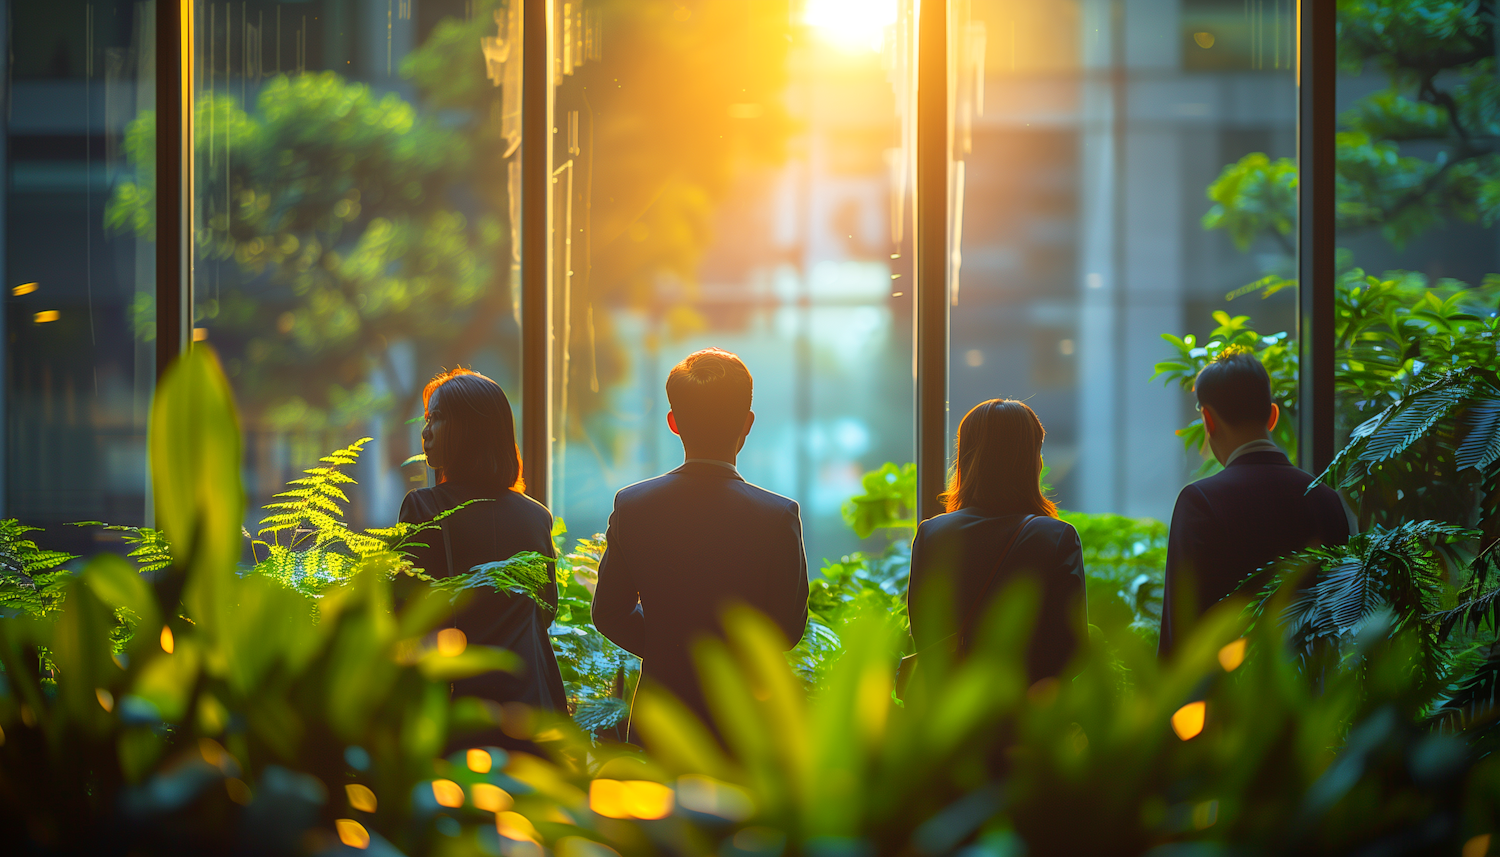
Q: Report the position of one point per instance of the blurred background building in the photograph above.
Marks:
(730, 173)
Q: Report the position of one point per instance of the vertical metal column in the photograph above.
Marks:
(174, 180)
(1316, 78)
(932, 255)
(536, 249)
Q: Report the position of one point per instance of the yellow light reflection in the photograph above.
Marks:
(46, 315)
(607, 798)
(648, 800)
(1204, 40)
(451, 642)
(448, 793)
(200, 334)
(167, 643)
(513, 825)
(479, 761)
(490, 798)
(1187, 722)
(851, 25)
(1479, 846)
(352, 833)
(360, 797)
(24, 289)
(106, 699)
(1232, 655)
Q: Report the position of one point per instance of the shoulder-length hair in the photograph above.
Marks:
(998, 464)
(479, 430)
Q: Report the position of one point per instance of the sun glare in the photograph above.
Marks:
(851, 25)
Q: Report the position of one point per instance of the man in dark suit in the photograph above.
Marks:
(684, 546)
(1256, 510)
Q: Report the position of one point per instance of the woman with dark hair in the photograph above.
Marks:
(470, 440)
(999, 528)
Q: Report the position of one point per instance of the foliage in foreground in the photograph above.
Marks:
(260, 720)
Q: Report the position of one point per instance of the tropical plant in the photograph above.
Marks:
(30, 580)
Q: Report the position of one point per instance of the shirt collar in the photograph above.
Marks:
(714, 461)
(1260, 445)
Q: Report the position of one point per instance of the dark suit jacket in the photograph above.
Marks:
(1231, 524)
(491, 531)
(681, 548)
(967, 544)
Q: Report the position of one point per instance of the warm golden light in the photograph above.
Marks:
(513, 825)
(167, 643)
(648, 800)
(1188, 721)
(1232, 655)
(46, 315)
(1204, 40)
(851, 25)
(1479, 846)
(448, 793)
(24, 289)
(352, 833)
(200, 334)
(106, 699)
(490, 798)
(607, 798)
(451, 642)
(479, 761)
(360, 797)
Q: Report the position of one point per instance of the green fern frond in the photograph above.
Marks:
(28, 581)
(527, 573)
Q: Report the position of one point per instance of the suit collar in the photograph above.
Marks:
(1270, 456)
(708, 468)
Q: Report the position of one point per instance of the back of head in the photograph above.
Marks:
(709, 392)
(1237, 386)
(999, 460)
(480, 430)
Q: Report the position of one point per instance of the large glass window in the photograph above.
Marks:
(738, 175)
(357, 171)
(1419, 251)
(79, 264)
(1087, 136)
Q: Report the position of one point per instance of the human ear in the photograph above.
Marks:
(672, 423)
(1275, 415)
(1209, 421)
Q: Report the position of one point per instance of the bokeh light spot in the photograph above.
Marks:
(1232, 655)
(479, 761)
(167, 643)
(448, 793)
(1478, 846)
(352, 833)
(1187, 722)
(106, 699)
(451, 642)
(490, 797)
(360, 797)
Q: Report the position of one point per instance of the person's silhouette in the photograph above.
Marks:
(470, 440)
(684, 546)
(1229, 526)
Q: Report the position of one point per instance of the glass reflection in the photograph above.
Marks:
(78, 269)
(734, 175)
(1087, 134)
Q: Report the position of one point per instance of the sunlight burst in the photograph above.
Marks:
(851, 24)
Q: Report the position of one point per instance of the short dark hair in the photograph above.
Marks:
(481, 430)
(1235, 384)
(709, 392)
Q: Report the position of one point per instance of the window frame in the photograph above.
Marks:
(1316, 71)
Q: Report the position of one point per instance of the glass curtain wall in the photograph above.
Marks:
(357, 185)
(1418, 283)
(1088, 136)
(738, 175)
(79, 265)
